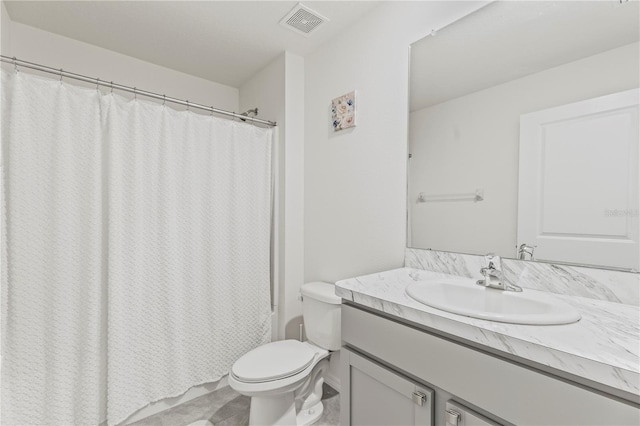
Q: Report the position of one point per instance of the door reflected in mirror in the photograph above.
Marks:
(523, 134)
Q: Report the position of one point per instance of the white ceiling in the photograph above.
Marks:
(506, 40)
(222, 41)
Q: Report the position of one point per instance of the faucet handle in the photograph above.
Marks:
(525, 250)
(493, 261)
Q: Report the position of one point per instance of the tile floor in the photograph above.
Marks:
(225, 407)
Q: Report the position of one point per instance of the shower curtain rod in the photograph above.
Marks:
(60, 72)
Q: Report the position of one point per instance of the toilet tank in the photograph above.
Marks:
(321, 313)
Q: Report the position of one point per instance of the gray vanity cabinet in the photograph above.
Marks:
(385, 361)
(381, 397)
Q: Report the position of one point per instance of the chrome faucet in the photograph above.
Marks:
(525, 251)
(493, 276)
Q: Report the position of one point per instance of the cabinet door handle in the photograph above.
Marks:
(418, 398)
(451, 417)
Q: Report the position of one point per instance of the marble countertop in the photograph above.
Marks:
(603, 347)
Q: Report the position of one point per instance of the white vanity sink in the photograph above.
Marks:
(464, 297)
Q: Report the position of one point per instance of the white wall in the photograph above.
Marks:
(5, 31)
(474, 142)
(355, 180)
(293, 272)
(34, 45)
(278, 92)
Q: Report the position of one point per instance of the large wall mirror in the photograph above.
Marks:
(523, 134)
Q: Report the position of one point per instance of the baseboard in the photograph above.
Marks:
(332, 381)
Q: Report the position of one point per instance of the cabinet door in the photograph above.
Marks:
(376, 395)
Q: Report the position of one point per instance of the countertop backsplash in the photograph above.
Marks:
(594, 283)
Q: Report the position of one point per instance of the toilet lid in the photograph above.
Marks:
(273, 361)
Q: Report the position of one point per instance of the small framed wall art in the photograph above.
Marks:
(343, 111)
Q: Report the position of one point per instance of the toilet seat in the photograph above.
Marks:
(273, 361)
(277, 386)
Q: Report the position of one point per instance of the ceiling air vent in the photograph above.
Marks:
(303, 20)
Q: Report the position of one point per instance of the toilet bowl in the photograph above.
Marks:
(295, 371)
(278, 374)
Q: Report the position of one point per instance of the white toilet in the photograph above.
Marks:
(277, 374)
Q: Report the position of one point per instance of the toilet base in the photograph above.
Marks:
(309, 416)
(280, 410)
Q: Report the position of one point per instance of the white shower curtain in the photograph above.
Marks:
(137, 251)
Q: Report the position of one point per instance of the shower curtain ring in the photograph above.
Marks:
(187, 104)
(98, 83)
(164, 100)
(135, 93)
(112, 87)
(15, 64)
(61, 71)
(212, 110)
